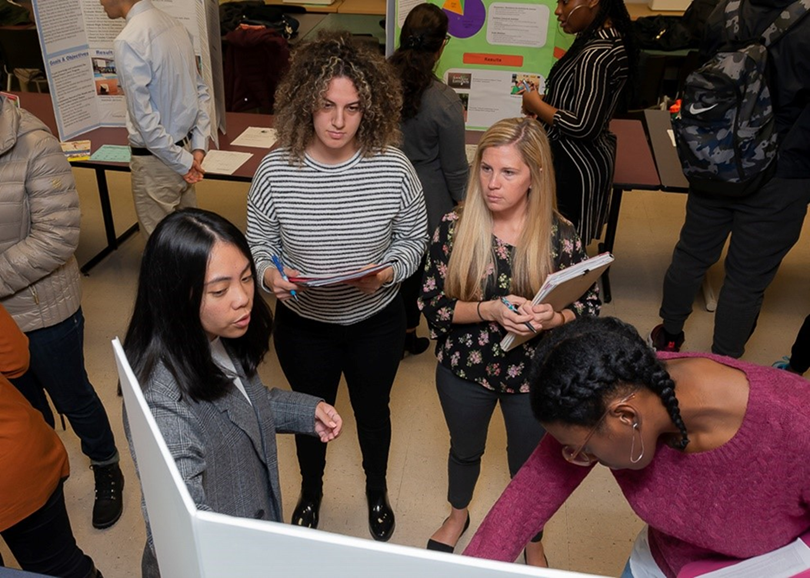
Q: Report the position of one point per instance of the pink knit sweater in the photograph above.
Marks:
(745, 498)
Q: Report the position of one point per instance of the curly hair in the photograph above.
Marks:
(422, 37)
(582, 366)
(302, 91)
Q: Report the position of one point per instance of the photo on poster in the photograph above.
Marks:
(459, 80)
(105, 77)
(526, 82)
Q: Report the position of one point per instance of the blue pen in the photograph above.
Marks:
(280, 267)
(514, 309)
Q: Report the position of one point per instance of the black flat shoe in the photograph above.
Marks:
(306, 511)
(381, 520)
(442, 547)
(414, 345)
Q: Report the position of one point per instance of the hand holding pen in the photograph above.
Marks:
(515, 310)
(278, 290)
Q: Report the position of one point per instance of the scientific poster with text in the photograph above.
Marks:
(76, 38)
(497, 50)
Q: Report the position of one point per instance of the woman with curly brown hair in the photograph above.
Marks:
(337, 196)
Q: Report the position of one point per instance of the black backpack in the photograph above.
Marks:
(725, 130)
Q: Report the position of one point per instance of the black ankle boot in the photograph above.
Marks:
(109, 501)
(381, 520)
(414, 345)
(307, 510)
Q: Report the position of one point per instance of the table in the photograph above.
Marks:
(357, 24)
(40, 106)
(670, 172)
(641, 10)
(634, 169)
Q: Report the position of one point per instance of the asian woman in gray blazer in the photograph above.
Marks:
(198, 333)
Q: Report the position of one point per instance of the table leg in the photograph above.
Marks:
(610, 238)
(109, 223)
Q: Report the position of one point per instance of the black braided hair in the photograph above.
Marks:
(616, 12)
(579, 368)
(423, 35)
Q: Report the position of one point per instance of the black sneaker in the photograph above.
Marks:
(660, 340)
(109, 495)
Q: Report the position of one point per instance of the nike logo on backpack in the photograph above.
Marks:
(701, 109)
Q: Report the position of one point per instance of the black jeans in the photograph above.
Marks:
(57, 366)
(313, 355)
(44, 543)
(467, 409)
(800, 352)
(763, 228)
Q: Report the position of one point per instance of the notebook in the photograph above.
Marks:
(562, 288)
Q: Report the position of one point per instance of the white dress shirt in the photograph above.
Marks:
(165, 94)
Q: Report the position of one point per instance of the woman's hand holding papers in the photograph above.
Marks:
(280, 287)
(371, 283)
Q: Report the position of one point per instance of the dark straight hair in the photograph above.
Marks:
(165, 327)
(423, 35)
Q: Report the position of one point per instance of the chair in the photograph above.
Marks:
(19, 49)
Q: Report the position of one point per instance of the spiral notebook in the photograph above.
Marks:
(562, 288)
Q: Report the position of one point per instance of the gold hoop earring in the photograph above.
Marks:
(633, 445)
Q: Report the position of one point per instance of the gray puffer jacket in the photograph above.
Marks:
(39, 223)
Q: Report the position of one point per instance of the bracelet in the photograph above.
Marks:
(563, 318)
(478, 309)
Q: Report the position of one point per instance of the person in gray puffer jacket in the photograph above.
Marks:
(40, 288)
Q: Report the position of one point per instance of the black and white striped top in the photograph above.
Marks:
(323, 219)
(585, 89)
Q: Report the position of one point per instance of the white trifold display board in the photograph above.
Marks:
(76, 38)
(191, 543)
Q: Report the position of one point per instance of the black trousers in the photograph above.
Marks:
(44, 543)
(313, 356)
(763, 228)
(800, 352)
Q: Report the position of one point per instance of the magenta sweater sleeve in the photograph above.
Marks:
(535, 493)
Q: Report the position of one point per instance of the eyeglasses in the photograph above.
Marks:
(447, 39)
(575, 455)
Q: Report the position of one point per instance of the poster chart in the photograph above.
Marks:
(497, 49)
(76, 38)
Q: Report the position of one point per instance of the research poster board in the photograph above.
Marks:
(194, 543)
(76, 38)
(497, 49)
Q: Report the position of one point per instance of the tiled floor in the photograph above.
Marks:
(591, 533)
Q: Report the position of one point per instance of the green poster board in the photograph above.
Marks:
(497, 49)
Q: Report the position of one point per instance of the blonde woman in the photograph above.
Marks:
(498, 249)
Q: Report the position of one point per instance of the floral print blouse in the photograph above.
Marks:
(472, 351)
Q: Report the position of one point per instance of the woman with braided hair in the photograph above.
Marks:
(432, 134)
(711, 452)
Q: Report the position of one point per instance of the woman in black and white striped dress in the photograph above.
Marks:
(337, 196)
(582, 93)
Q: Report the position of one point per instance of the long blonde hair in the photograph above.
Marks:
(472, 255)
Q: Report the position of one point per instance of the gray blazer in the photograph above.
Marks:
(226, 449)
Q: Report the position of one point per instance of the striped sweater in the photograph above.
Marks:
(324, 219)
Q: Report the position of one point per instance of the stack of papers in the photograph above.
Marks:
(224, 162)
(76, 150)
(334, 278)
(562, 288)
(256, 136)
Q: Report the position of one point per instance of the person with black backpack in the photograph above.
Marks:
(752, 97)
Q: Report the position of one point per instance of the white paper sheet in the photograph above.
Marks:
(224, 162)
(782, 563)
(256, 136)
